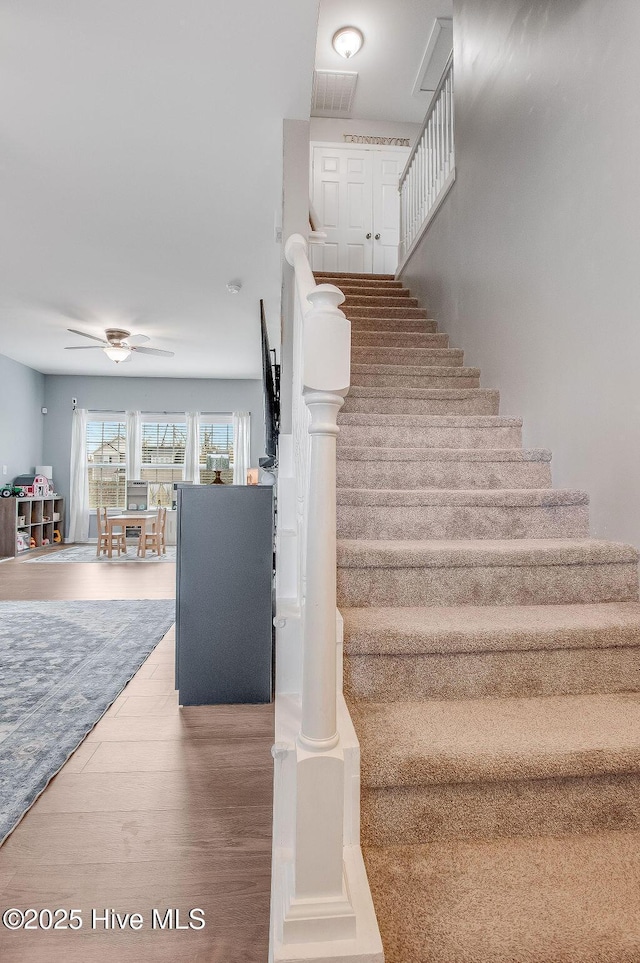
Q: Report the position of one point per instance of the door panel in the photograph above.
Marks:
(341, 195)
(387, 168)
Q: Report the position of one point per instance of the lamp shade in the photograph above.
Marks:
(117, 352)
(217, 462)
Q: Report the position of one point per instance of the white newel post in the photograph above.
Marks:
(318, 906)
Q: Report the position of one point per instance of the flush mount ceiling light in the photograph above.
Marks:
(234, 287)
(347, 41)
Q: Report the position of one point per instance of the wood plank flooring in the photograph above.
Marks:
(157, 808)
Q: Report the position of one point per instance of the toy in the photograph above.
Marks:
(34, 486)
(9, 491)
(32, 542)
(57, 537)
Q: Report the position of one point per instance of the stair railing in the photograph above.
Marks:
(430, 169)
(317, 905)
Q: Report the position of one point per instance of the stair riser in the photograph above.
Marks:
(464, 675)
(371, 291)
(371, 300)
(381, 339)
(369, 313)
(488, 585)
(443, 474)
(322, 277)
(442, 521)
(536, 807)
(372, 436)
(481, 403)
(365, 380)
(402, 356)
(402, 325)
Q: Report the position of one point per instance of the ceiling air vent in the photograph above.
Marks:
(333, 92)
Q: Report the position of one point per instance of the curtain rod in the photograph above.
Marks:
(120, 411)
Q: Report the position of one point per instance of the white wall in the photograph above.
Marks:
(21, 420)
(332, 129)
(533, 263)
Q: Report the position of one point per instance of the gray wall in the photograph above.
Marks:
(144, 394)
(533, 263)
(21, 420)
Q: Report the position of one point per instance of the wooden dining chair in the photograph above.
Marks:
(155, 539)
(115, 540)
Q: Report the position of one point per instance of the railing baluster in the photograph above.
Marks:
(430, 168)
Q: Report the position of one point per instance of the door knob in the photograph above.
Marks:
(369, 236)
(377, 237)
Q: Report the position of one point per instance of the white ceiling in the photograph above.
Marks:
(140, 171)
(395, 38)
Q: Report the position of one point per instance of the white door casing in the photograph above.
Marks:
(354, 191)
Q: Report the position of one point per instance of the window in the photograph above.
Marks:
(106, 456)
(162, 457)
(216, 438)
(163, 447)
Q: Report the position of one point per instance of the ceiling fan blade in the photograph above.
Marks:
(157, 351)
(83, 334)
(136, 339)
(84, 347)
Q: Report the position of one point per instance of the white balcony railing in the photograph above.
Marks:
(430, 169)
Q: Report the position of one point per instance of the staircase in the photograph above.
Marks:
(492, 665)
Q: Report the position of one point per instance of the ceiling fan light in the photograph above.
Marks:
(347, 41)
(117, 352)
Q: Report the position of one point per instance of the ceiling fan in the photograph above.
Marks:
(117, 344)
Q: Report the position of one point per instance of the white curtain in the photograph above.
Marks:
(134, 445)
(79, 494)
(241, 446)
(192, 448)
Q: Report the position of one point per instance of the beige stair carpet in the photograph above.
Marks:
(492, 665)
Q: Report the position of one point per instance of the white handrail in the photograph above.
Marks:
(430, 168)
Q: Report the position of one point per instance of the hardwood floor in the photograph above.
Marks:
(159, 808)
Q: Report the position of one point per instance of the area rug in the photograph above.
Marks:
(87, 553)
(62, 664)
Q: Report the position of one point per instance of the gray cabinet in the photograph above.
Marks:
(224, 619)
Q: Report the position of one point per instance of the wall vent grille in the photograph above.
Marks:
(333, 92)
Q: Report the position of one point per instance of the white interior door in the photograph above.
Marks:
(387, 168)
(341, 194)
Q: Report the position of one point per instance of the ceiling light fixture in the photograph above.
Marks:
(234, 287)
(347, 41)
(117, 352)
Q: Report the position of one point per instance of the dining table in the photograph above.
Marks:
(135, 519)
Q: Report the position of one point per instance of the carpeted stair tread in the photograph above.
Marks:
(517, 455)
(492, 740)
(403, 325)
(500, 628)
(375, 290)
(410, 400)
(485, 553)
(486, 498)
(340, 275)
(391, 355)
(384, 313)
(539, 900)
(370, 300)
(427, 421)
(398, 339)
(426, 370)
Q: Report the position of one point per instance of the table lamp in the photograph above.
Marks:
(217, 463)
